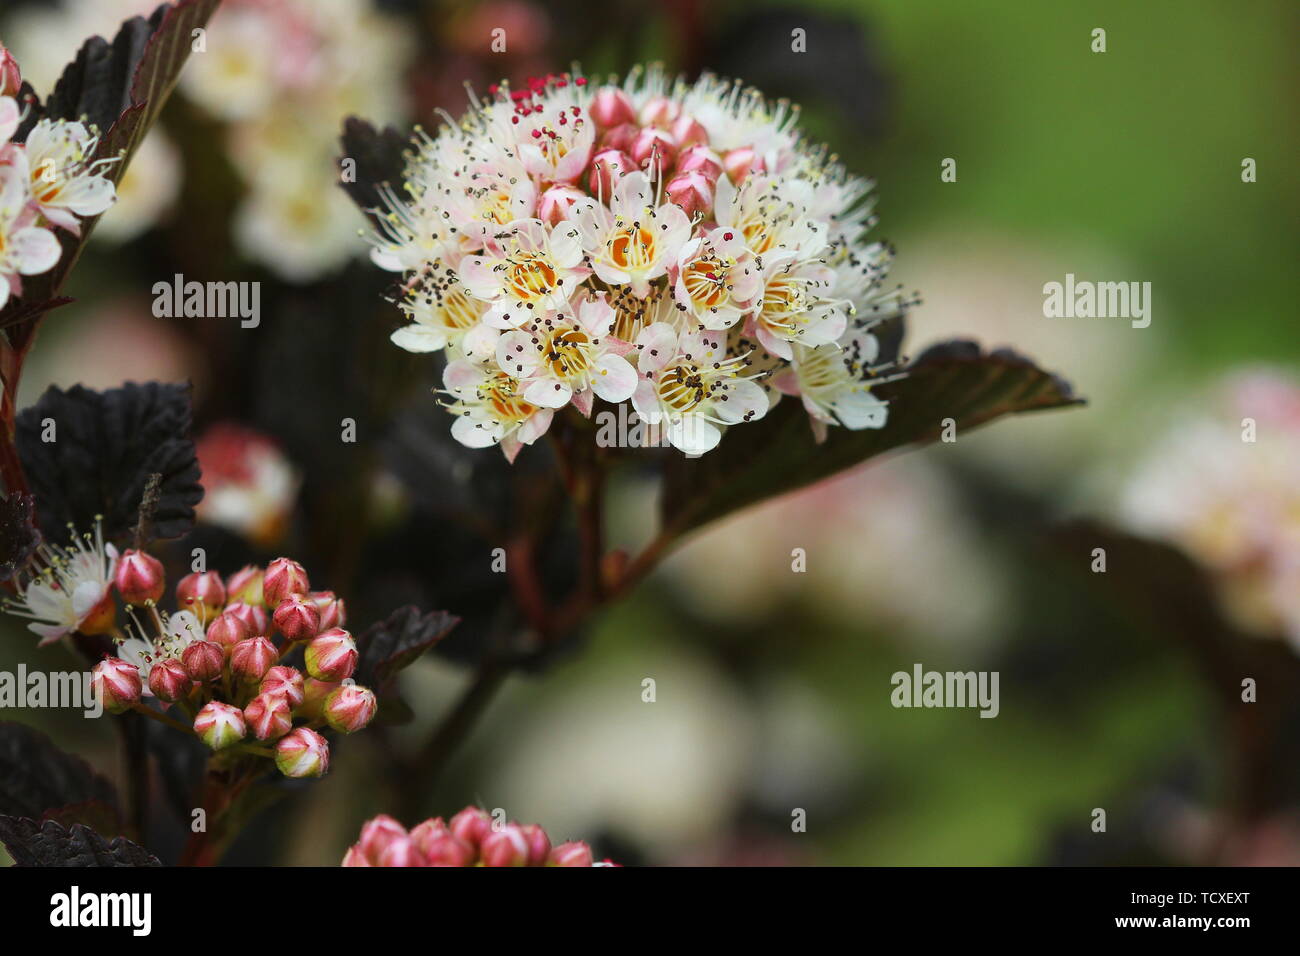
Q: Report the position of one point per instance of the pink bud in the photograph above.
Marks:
(376, 836)
(203, 660)
(611, 107)
(268, 716)
(688, 132)
(245, 585)
(571, 854)
(556, 202)
(350, 708)
(620, 137)
(354, 857)
(220, 725)
(139, 577)
(202, 592)
(654, 151)
(302, 753)
(539, 844)
(692, 192)
(504, 847)
(227, 630)
(168, 680)
(285, 680)
(117, 683)
(315, 693)
(739, 163)
(297, 619)
(431, 829)
(470, 825)
(332, 655)
(11, 79)
(606, 169)
(253, 617)
(284, 579)
(333, 612)
(660, 111)
(402, 852)
(445, 850)
(700, 159)
(251, 659)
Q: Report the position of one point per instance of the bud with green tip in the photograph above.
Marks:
(220, 725)
(245, 586)
(350, 708)
(302, 753)
(332, 655)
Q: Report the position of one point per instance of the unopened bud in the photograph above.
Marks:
(245, 585)
(504, 847)
(556, 202)
(571, 854)
(203, 660)
(251, 659)
(687, 131)
(302, 753)
(168, 680)
(332, 655)
(471, 825)
(296, 619)
(539, 844)
(377, 835)
(333, 612)
(269, 716)
(446, 850)
(739, 163)
(220, 725)
(692, 192)
(607, 168)
(117, 683)
(139, 577)
(350, 708)
(612, 107)
(201, 592)
(227, 630)
(620, 137)
(254, 618)
(285, 578)
(660, 111)
(700, 159)
(654, 151)
(286, 680)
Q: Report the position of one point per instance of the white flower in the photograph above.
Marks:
(717, 278)
(70, 588)
(835, 385)
(794, 306)
(570, 356)
(631, 242)
(528, 270)
(689, 382)
(25, 249)
(65, 180)
(550, 129)
(490, 408)
(441, 311)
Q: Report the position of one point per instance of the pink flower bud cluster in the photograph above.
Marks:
(470, 838)
(677, 246)
(219, 660)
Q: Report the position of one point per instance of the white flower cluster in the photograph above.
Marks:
(51, 181)
(675, 244)
(1225, 486)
